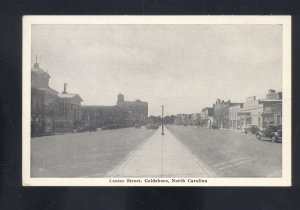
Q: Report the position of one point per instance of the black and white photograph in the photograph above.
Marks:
(156, 101)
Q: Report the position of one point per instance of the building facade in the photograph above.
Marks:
(138, 110)
(234, 116)
(207, 116)
(51, 112)
(221, 113)
(262, 112)
(123, 114)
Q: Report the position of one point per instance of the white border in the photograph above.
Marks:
(286, 144)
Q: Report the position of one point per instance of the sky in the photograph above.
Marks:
(183, 67)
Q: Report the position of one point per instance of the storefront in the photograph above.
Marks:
(272, 114)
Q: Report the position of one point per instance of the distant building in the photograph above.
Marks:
(207, 116)
(221, 113)
(234, 117)
(137, 109)
(123, 114)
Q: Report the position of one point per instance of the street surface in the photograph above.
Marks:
(184, 151)
(84, 154)
(231, 153)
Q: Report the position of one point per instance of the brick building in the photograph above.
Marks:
(51, 112)
(221, 113)
(123, 114)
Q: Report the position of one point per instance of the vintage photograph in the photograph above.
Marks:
(157, 101)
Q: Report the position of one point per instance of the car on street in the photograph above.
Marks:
(251, 129)
(86, 128)
(138, 126)
(274, 132)
(215, 127)
(152, 126)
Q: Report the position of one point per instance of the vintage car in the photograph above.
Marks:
(274, 132)
(86, 128)
(152, 126)
(251, 129)
(215, 127)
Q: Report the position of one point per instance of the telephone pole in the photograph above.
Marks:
(162, 120)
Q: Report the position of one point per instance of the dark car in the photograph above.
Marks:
(274, 132)
(251, 129)
(110, 126)
(215, 127)
(138, 126)
(86, 128)
(152, 126)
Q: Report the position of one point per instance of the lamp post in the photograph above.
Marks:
(162, 120)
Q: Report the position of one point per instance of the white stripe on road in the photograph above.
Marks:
(238, 163)
(234, 160)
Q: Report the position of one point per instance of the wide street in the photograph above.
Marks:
(184, 151)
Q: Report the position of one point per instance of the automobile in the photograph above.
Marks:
(86, 128)
(110, 126)
(152, 126)
(137, 126)
(215, 127)
(251, 129)
(274, 132)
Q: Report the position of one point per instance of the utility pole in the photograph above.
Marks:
(162, 120)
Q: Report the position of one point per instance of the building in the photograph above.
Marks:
(44, 102)
(234, 117)
(69, 111)
(51, 112)
(207, 116)
(123, 114)
(138, 110)
(221, 113)
(263, 111)
(272, 114)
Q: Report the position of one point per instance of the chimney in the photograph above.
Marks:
(65, 88)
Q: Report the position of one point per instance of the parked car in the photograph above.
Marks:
(110, 126)
(251, 129)
(152, 126)
(274, 132)
(137, 126)
(86, 128)
(215, 127)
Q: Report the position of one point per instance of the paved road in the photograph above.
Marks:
(84, 154)
(162, 156)
(231, 154)
(183, 151)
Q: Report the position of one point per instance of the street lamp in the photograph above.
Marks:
(162, 120)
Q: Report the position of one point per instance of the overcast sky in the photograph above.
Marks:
(184, 67)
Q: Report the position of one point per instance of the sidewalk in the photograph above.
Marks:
(162, 156)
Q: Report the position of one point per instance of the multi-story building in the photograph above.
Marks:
(207, 117)
(51, 112)
(273, 110)
(137, 109)
(262, 112)
(123, 114)
(234, 116)
(221, 113)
